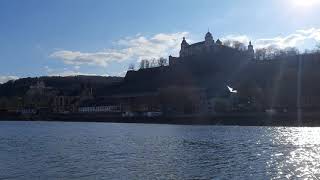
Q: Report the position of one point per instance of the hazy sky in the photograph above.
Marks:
(68, 37)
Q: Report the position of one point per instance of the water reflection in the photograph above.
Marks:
(133, 151)
(297, 155)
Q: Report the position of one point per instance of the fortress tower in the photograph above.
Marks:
(184, 48)
(197, 48)
(209, 42)
(250, 50)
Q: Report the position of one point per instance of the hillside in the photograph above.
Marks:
(268, 83)
(66, 85)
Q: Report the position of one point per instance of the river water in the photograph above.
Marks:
(64, 150)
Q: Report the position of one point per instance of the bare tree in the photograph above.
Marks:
(153, 62)
(227, 43)
(238, 45)
(147, 64)
(291, 51)
(131, 67)
(261, 54)
(235, 44)
(272, 52)
(307, 51)
(243, 47)
(317, 50)
(162, 61)
(143, 64)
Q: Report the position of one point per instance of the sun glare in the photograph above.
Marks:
(305, 3)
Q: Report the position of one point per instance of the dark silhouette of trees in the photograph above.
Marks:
(291, 51)
(162, 61)
(147, 64)
(235, 44)
(131, 67)
(272, 52)
(143, 64)
(153, 62)
(239, 46)
(227, 43)
(261, 54)
(71, 85)
(318, 48)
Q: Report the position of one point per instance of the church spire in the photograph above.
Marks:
(209, 39)
(250, 50)
(184, 42)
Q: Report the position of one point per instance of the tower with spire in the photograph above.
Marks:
(184, 47)
(209, 40)
(250, 50)
(197, 48)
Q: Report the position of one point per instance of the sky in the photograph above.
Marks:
(102, 37)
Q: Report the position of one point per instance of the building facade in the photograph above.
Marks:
(100, 109)
(209, 45)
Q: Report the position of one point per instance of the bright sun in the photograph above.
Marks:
(305, 3)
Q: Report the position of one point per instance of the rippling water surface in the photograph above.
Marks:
(58, 150)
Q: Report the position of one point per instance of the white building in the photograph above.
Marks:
(100, 109)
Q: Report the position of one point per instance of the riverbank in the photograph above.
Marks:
(240, 119)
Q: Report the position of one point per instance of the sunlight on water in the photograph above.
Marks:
(301, 157)
(43, 150)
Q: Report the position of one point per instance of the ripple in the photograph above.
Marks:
(33, 150)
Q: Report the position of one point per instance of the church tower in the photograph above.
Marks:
(209, 40)
(184, 46)
(250, 50)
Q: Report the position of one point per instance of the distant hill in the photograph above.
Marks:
(271, 83)
(70, 85)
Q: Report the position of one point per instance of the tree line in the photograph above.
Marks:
(270, 52)
(150, 63)
(265, 53)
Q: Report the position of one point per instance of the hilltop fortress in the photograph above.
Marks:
(212, 66)
(209, 45)
(198, 65)
(197, 82)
